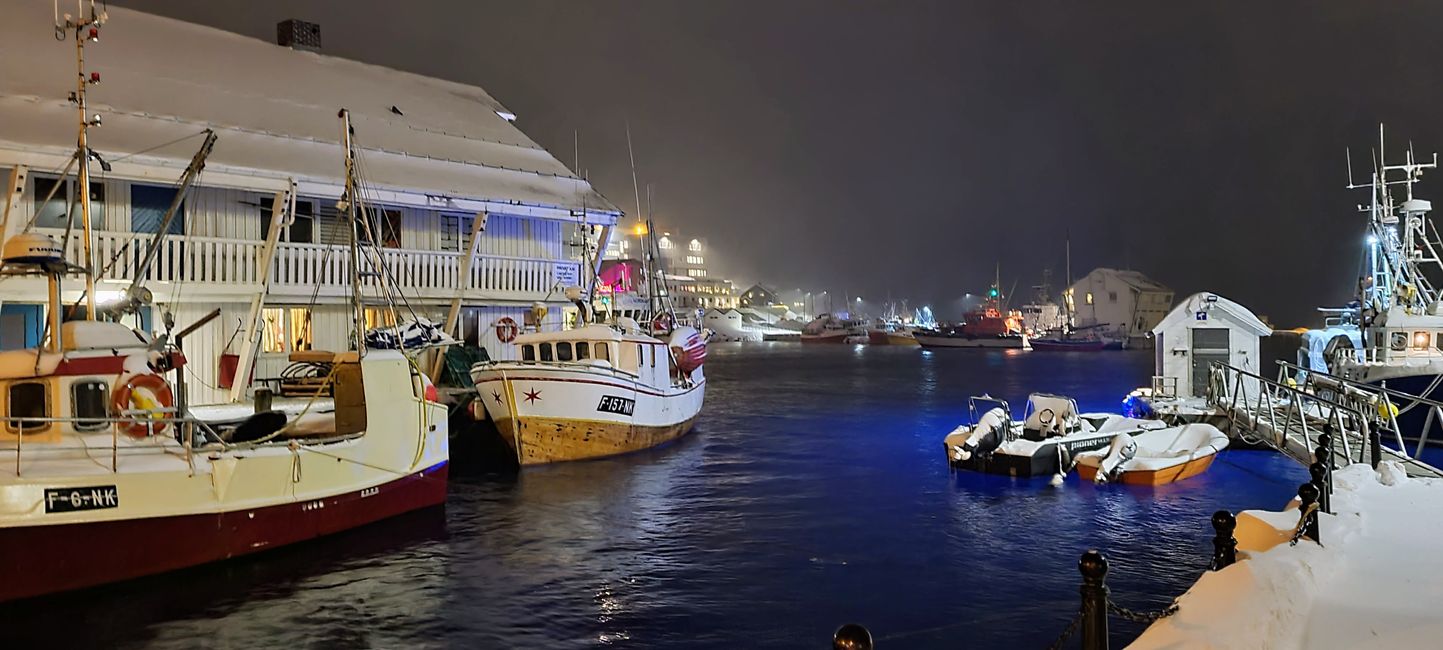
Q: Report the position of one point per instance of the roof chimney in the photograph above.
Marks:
(298, 35)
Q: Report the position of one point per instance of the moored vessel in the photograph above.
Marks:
(1154, 457)
(1047, 440)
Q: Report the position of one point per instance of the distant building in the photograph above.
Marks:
(1126, 304)
(760, 297)
(684, 260)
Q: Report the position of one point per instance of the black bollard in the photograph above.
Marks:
(1308, 493)
(852, 637)
(1376, 439)
(1319, 473)
(1225, 546)
(1094, 600)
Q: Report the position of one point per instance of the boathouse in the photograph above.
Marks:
(1121, 304)
(1204, 328)
(476, 221)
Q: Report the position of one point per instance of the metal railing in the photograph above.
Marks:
(161, 423)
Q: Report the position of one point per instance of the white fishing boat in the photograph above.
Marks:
(1154, 457)
(107, 476)
(593, 391)
(830, 329)
(1050, 435)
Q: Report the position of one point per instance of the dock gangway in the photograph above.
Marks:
(1289, 413)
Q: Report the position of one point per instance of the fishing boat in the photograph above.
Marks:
(1050, 435)
(1391, 334)
(830, 329)
(1154, 457)
(601, 389)
(988, 326)
(112, 476)
(1065, 339)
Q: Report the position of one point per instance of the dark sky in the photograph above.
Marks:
(907, 147)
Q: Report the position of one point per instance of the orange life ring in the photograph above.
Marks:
(507, 329)
(120, 402)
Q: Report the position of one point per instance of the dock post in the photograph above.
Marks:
(852, 636)
(1375, 440)
(1225, 546)
(1308, 494)
(1319, 473)
(1094, 600)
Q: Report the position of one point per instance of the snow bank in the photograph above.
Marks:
(1362, 589)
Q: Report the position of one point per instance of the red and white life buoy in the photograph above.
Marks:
(662, 323)
(507, 329)
(143, 392)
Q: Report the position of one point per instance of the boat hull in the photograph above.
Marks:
(69, 556)
(1043, 461)
(878, 337)
(1159, 476)
(556, 414)
(556, 440)
(829, 337)
(901, 339)
(1054, 345)
(991, 342)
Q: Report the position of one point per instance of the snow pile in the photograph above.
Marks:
(1365, 588)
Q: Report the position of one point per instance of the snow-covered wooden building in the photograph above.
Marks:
(443, 158)
(1204, 328)
(1123, 304)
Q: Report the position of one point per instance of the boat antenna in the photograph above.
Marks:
(86, 29)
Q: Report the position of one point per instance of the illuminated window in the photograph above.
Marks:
(665, 244)
(379, 317)
(1421, 339)
(694, 259)
(695, 247)
(300, 328)
(273, 330)
(1089, 297)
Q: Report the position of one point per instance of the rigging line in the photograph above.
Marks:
(159, 146)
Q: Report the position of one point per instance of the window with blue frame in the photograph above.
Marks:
(21, 325)
(148, 205)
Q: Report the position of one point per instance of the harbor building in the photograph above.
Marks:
(477, 221)
(1122, 304)
(694, 286)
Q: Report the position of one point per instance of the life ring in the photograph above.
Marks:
(662, 323)
(159, 401)
(507, 329)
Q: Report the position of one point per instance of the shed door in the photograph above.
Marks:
(1209, 344)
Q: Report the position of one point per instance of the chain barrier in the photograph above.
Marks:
(1140, 617)
(1067, 633)
(1303, 526)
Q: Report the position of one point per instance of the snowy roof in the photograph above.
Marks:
(1186, 312)
(1133, 278)
(274, 109)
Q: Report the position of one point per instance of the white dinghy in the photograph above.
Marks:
(1154, 457)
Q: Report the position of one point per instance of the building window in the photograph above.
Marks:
(455, 229)
(300, 229)
(28, 399)
(148, 205)
(300, 328)
(52, 213)
(1112, 296)
(273, 328)
(380, 317)
(695, 247)
(665, 244)
(694, 259)
(1089, 297)
(91, 402)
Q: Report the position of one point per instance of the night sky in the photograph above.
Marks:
(904, 148)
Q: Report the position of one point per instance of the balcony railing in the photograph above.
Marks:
(300, 268)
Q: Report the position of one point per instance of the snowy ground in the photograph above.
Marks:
(1373, 584)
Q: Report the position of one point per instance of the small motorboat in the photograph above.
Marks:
(1154, 457)
(1047, 439)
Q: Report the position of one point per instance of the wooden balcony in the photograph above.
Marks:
(200, 267)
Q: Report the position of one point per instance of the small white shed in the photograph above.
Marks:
(1202, 329)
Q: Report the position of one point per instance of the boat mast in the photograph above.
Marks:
(349, 201)
(85, 29)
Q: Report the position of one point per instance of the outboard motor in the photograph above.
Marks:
(987, 435)
(1122, 449)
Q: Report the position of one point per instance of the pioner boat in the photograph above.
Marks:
(1154, 457)
(1049, 437)
(106, 475)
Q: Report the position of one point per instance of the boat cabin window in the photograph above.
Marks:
(1398, 341)
(1422, 340)
(528, 353)
(583, 351)
(91, 402)
(27, 400)
(545, 352)
(563, 351)
(602, 352)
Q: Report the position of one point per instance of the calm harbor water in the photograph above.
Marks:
(814, 492)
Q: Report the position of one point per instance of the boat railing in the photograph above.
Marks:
(1164, 386)
(567, 365)
(158, 422)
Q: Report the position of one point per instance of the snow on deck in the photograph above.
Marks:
(1373, 583)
